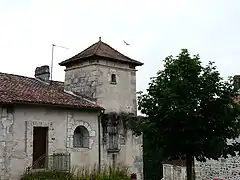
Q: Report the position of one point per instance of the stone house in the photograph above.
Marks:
(41, 118)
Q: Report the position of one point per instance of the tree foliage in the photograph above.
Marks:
(191, 111)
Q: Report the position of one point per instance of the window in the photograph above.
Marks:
(113, 138)
(113, 141)
(81, 137)
(114, 159)
(113, 79)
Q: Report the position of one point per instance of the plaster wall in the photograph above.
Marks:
(93, 79)
(17, 136)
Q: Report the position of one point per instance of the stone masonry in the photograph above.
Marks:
(6, 140)
(16, 141)
(93, 79)
(227, 169)
(29, 138)
(72, 124)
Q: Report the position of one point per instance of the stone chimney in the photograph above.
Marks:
(42, 73)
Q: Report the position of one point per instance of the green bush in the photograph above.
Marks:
(107, 173)
(48, 174)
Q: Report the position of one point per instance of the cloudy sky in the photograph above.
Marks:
(155, 29)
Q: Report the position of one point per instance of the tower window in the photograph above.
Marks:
(113, 79)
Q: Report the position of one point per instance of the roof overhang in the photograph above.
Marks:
(75, 60)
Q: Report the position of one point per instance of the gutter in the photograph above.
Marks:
(52, 105)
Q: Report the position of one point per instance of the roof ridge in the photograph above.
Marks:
(96, 48)
(118, 51)
(27, 77)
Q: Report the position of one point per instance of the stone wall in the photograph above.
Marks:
(171, 172)
(137, 154)
(227, 169)
(16, 136)
(83, 81)
(93, 79)
(83, 156)
(119, 97)
(6, 141)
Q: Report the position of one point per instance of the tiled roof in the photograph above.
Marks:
(16, 89)
(101, 49)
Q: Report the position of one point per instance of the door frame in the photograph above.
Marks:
(46, 131)
(29, 138)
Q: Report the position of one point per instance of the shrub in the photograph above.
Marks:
(107, 173)
(48, 174)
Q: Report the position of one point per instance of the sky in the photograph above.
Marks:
(154, 29)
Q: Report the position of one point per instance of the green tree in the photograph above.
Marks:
(190, 111)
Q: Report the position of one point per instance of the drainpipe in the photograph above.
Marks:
(99, 139)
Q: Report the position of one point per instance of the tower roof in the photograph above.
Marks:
(100, 49)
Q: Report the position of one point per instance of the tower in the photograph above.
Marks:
(104, 75)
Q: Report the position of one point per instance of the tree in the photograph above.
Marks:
(191, 112)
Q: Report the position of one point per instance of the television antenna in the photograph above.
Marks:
(53, 46)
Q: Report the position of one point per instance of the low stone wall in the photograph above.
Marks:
(227, 169)
(171, 172)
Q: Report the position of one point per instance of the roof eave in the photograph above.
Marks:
(64, 63)
(53, 105)
(72, 60)
(140, 64)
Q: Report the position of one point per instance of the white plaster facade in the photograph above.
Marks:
(17, 136)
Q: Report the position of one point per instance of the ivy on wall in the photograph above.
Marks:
(128, 121)
(122, 121)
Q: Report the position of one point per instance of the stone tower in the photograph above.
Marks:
(106, 76)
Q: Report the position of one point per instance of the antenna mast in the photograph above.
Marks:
(53, 45)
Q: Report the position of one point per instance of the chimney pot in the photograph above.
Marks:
(42, 73)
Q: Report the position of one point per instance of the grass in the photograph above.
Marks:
(84, 173)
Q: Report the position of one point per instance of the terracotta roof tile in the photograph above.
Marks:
(101, 49)
(20, 89)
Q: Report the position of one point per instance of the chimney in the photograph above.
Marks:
(42, 73)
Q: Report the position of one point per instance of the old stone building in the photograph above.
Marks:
(81, 121)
